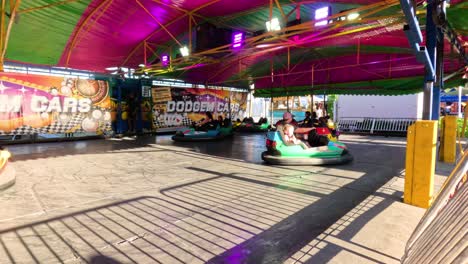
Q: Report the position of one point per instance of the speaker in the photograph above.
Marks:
(205, 33)
(208, 36)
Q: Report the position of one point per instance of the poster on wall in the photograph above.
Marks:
(31, 104)
(178, 107)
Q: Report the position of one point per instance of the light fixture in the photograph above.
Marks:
(273, 24)
(237, 38)
(353, 16)
(322, 13)
(184, 51)
(141, 65)
(261, 46)
(165, 59)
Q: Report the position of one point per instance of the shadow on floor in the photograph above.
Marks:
(226, 219)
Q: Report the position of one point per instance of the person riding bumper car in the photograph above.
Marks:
(281, 152)
(261, 126)
(210, 132)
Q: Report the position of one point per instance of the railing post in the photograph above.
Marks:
(372, 127)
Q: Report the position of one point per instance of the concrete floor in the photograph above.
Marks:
(150, 200)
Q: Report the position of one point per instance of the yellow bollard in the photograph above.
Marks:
(420, 163)
(449, 148)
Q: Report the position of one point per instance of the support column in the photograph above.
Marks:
(119, 129)
(271, 111)
(250, 103)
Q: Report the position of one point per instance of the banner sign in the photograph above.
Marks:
(32, 104)
(176, 107)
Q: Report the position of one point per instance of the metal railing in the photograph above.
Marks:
(371, 125)
(441, 235)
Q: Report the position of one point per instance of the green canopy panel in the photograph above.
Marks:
(400, 86)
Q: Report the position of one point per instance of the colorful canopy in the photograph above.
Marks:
(369, 55)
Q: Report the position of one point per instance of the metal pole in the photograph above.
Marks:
(119, 129)
(250, 103)
(459, 101)
(335, 111)
(271, 111)
(431, 41)
(229, 106)
(312, 91)
(439, 71)
(427, 101)
(324, 110)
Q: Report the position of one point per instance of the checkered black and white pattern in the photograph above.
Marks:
(73, 125)
(185, 122)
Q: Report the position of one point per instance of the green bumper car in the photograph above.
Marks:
(280, 153)
(191, 135)
(253, 127)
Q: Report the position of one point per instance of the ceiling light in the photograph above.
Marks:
(261, 46)
(273, 24)
(237, 38)
(322, 13)
(165, 60)
(353, 16)
(184, 51)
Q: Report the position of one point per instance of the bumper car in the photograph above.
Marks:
(253, 127)
(236, 124)
(332, 135)
(192, 135)
(281, 153)
(7, 171)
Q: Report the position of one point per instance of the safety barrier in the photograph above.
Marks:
(370, 125)
(441, 236)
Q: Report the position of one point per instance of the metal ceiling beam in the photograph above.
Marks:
(319, 70)
(285, 18)
(164, 27)
(2, 26)
(91, 24)
(172, 6)
(326, 37)
(194, 14)
(85, 21)
(45, 6)
(225, 48)
(190, 32)
(150, 36)
(6, 34)
(300, 29)
(159, 23)
(152, 51)
(204, 5)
